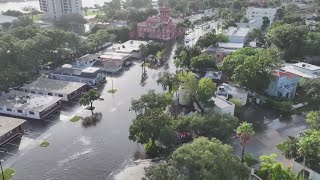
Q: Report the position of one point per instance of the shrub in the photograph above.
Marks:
(151, 149)
(250, 160)
(284, 106)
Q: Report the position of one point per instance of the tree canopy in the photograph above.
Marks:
(202, 159)
(203, 61)
(211, 39)
(289, 38)
(251, 68)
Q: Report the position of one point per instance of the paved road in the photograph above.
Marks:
(270, 134)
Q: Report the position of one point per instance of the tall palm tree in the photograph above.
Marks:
(244, 131)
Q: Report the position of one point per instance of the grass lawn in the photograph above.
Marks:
(8, 173)
(112, 91)
(75, 118)
(44, 144)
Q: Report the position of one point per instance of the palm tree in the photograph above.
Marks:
(244, 131)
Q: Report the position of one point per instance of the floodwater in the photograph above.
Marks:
(97, 153)
(20, 5)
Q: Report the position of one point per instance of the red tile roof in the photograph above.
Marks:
(284, 73)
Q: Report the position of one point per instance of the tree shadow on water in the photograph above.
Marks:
(91, 120)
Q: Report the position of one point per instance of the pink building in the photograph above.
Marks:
(162, 28)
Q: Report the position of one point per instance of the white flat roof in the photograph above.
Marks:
(115, 55)
(296, 71)
(232, 89)
(237, 31)
(230, 45)
(27, 101)
(54, 86)
(307, 66)
(221, 103)
(7, 124)
(90, 70)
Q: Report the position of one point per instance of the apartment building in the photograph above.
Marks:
(56, 8)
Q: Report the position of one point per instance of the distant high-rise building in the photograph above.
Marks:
(56, 8)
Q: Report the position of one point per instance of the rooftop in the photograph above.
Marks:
(280, 73)
(27, 101)
(69, 70)
(7, 124)
(88, 57)
(129, 46)
(6, 19)
(230, 45)
(307, 66)
(55, 86)
(233, 89)
(298, 70)
(115, 55)
(221, 103)
(234, 31)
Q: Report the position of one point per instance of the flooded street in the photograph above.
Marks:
(75, 152)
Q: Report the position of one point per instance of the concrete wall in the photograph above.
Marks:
(297, 168)
(22, 113)
(90, 82)
(226, 110)
(283, 87)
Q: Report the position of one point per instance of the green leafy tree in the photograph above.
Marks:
(289, 38)
(244, 131)
(255, 72)
(211, 124)
(211, 39)
(313, 119)
(71, 22)
(88, 98)
(203, 61)
(147, 126)
(310, 91)
(270, 169)
(206, 89)
(232, 61)
(168, 81)
(22, 21)
(151, 100)
(163, 171)
(208, 159)
(183, 56)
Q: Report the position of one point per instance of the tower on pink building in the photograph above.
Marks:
(162, 27)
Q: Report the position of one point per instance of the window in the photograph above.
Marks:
(40, 92)
(32, 92)
(19, 111)
(31, 112)
(1, 109)
(8, 109)
(60, 95)
(49, 94)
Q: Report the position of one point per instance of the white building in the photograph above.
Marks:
(129, 47)
(50, 87)
(90, 75)
(254, 13)
(35, 106)
(304, 70)
(56, 8)
(237, 34)
(231, 91)
(6, 19)
(223, 106)
(86, 61)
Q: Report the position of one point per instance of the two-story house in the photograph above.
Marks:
(284, 84)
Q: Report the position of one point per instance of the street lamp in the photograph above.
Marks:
(2, 169)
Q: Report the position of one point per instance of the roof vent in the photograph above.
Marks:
(123, 46)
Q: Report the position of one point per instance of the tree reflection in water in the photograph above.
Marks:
(91, 120)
